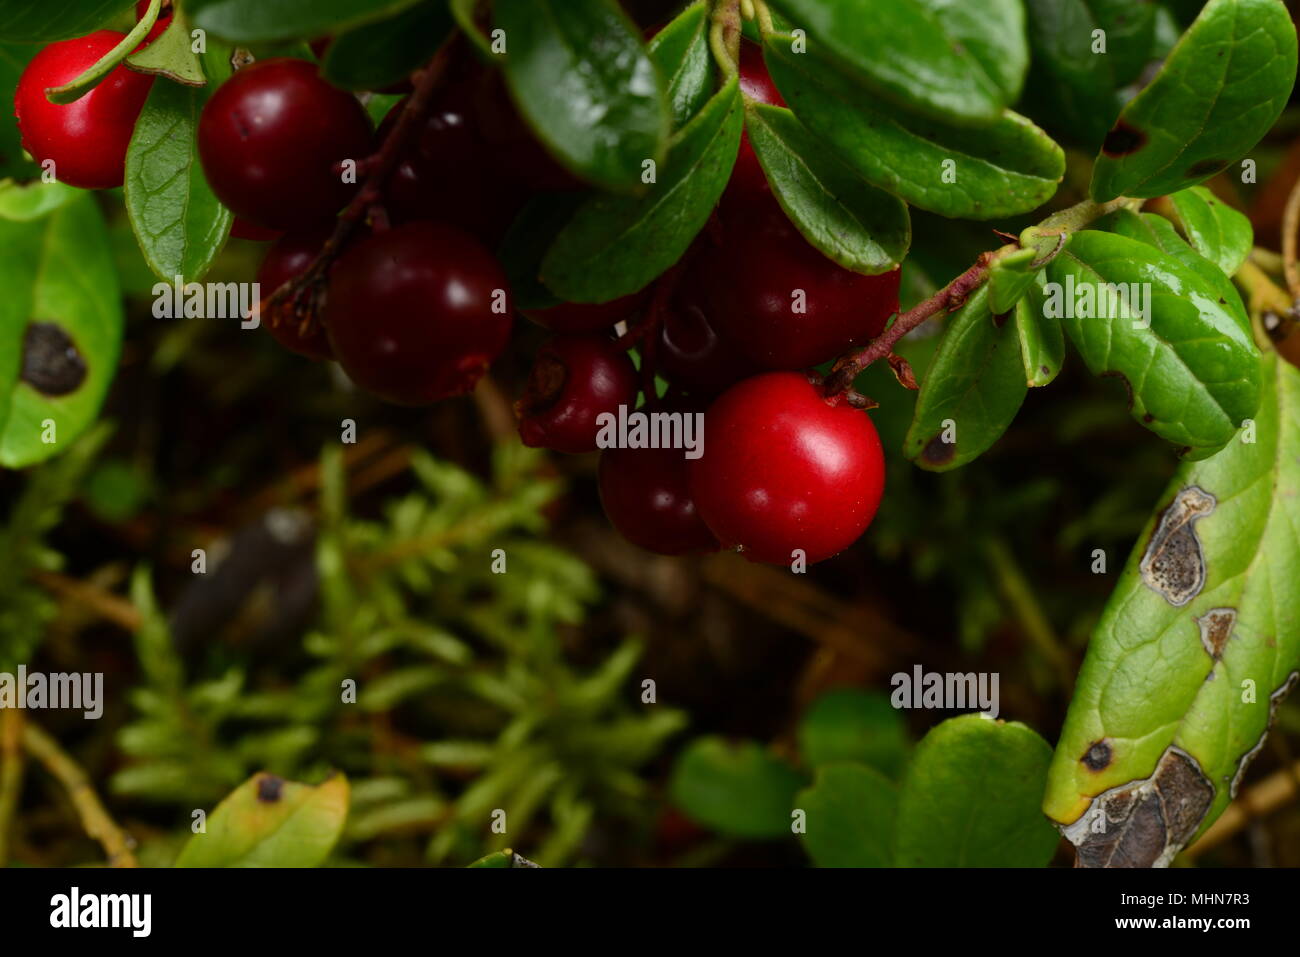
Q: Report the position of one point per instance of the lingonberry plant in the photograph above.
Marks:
(707, 213)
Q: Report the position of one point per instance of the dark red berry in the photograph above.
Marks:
(784, 469)
(417, 313)
(784, 304)
(289, 257)
(573, 381)
(756, 84)
(516, 153)
(647, 497)
(691, 353)
(243, 229)
(86, 139)
(272, 139)
(572, 318)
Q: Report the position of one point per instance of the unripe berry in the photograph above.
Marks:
(417, 313)
(573, 381)
(87, 139)
(785, 469)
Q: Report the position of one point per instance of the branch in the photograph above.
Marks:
(94, 817)
(11, 774)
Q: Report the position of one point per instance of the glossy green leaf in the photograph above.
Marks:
(849, 820)
(1218, 93)
(377, 55)
(1191, 369)
(1074, 87)
(257, 21)
(502, 860)
(680, 51)
(60, 329)
(617, 245)
(1003, 169)
(177, 219)
(1216, 230)
(971, 797)
(587, 87)
(1196, 648)
(13, 59)
(1042, 341)
(38, 21)
(970, 392)
(962, 62)
(1010, 277)
(27, 201)
(270, 822)
(739, 790)
(854, 224)
(526, 243)
(851, 725)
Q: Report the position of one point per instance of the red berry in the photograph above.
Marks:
(516, 153)
(646, 495)
(86, 139)
(577, 317)
(290, 257)
(243, 229)
(784, 304)
(271, 138)
(756, 84)
(573, 381)
(417, 313)
(784, 468)
(691, 354)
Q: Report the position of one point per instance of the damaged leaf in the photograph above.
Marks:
(1196, 649)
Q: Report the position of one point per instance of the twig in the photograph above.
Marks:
(724, 36)
(11, 775)
(110, 607)
(94, 816)
(1290, 225)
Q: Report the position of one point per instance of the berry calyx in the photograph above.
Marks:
(417, 313)
(574, 380)
(785, 469)
(272, 138)
(691, 354)
(784, 304)
(647, 498)
(288, 258)
(88, 138)
(572, 318)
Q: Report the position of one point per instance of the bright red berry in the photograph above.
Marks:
(784, 469)
(572, 318)
(573, 381)
(784, 304)
(647, 497)
(691, 354)
(289, 257)
(756, 84)
(86, 139)
(417, 313)
(272, 139)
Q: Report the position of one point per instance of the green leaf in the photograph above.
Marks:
(587, 87)
(525, 245)
(25, 202)
(60, 329)
(1003, 169)
(1075, 90)
(737, 790)
(1216, 230)
(1191, 369)
(617, 245)
(850, 817)
(256, 21)
(971, 797)
(1010, 277)
(971, 391)
(1195, 650)
(961, 62)
(680, 52)
(37, 21)
(13, 60)
(377, 55)
(503, 859)
(177, 219)
(1218, 93)
(1042, 341)
(172, 55)
(270, 822)
(852, 725)
(854, 224)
